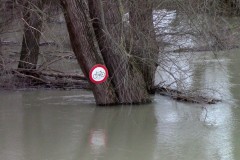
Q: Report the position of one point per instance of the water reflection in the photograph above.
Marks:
(43, 130)
(11, 127)
(191, 132)
(122, 133)
(98, 141)
(210, 136)
(66, 125)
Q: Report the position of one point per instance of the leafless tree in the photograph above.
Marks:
(143, 43)
(104, 44)
(33, 19)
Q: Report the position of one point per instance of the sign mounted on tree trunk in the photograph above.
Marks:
(98, 74)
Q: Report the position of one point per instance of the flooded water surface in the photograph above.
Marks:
(66, 125)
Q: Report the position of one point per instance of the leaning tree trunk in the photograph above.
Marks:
(142, 41)
(32, 16)
(125, 85)
(85, 46)
(126, 78)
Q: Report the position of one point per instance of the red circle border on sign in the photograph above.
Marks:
(90, 73)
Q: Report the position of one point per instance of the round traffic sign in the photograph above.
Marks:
(98, 74)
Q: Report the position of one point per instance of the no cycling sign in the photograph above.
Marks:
(98, 74)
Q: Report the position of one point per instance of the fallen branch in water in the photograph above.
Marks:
(202, 49)
(29, 76)
(185, 97)
(36, 79)
(51, 74)
(9, 43)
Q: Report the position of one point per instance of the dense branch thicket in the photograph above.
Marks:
(213, 7)
(143, 43)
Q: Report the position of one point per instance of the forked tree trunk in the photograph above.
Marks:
(143, 42)
(32, 17)
(85, 46)
(126, 78)
(127, 84)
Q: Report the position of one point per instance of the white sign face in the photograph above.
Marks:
(98, 74)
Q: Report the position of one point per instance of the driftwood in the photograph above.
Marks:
(8, 43)
(63, 75)
(205, 49)
(36, 79)
(185, 97)
(51, 74)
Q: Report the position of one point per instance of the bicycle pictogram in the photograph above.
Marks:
(99, 75)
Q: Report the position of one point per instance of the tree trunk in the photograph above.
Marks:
(85, 46)
(32, 31)
(143, 39)
(128, 82)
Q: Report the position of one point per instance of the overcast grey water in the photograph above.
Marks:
(66, 125)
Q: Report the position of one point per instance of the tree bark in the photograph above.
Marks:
(103, 45)
(85, 46)
(128, 82)
(32, 16)
(143, 39)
